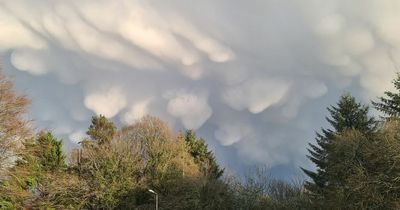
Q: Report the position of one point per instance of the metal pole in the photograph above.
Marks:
(152, 191)
(156, 201)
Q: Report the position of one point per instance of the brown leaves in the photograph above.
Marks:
(14, 128)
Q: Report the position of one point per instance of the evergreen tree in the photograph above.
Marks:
(390, 105)
(346, 115)
(101, 130)
(49, 151)
(203, 157)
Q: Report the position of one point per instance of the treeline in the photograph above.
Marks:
(357, 165)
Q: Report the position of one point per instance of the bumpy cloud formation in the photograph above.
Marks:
(193, 110)
(253, 77)
(108, 103)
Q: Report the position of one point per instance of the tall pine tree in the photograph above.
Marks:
(203, 157)
(347, 114)
(390, 105)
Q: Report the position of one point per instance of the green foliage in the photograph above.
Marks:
(49, 151)
(358, 166)
(168, 167)
(101, 130)
(23, 181)
(217, 195)
(363, 170)
(390, 105)
(203, 157)
(6, 205)
(347, 114)
(41, 156)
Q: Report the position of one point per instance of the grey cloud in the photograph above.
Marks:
(253, 77)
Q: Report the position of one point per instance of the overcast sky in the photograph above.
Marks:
(252, 77)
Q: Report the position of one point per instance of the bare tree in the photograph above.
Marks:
(14, 128)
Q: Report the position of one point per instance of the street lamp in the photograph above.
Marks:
(152, 191)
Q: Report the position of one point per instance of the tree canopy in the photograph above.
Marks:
(357, 165)
(346, 115)
(389, 104)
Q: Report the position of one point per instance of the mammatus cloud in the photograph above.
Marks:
(107, 102)
(256, 95)
(193, 110)
(254, 77)
(359, 39)
(137, 111)
(230, 133)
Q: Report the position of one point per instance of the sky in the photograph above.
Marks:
(253, 77)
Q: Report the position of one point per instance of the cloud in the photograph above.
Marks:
(77, 136)
(192, 109)
(253, 77)
(256, 95)
(107, 103)
(137, 111)
(29, 60)
(230, 133)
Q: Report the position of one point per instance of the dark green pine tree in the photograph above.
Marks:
(347, 114)
(49, 151)
(204, 158)
(390, 105)
(101, 130)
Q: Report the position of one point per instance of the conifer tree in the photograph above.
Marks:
(101, 130)
(49, 151)
(203, 157)
(390, 105)
(346, 115)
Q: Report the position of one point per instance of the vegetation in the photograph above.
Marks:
(357, 165)
(346, 115)
(390, 104)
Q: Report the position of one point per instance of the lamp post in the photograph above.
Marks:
(152, 191)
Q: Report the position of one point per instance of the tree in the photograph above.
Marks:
(111, 173)
(32, 171)
(14, 128)
(363, 170)
(168, 167)
(347, 114)
(390, 105)
(14, 133)
(49, 151)
(259, 190)
(101, 130)
(203, 157)
(105, 175)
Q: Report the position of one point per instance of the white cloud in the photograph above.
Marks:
(231, 132)
(330, 24)
(15, 35)
(29, 60)
(77, 136)
(192, 109)
(107, 103)
(137, 111)
(256, 95)
(359, 41)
